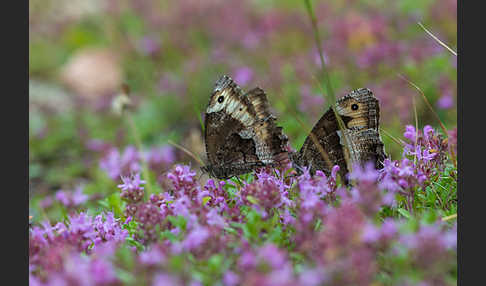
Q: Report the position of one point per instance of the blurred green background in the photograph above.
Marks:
(170, 53)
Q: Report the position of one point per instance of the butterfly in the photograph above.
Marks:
(326, 144)
(240, 133)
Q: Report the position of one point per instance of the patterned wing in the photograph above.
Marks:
(240, 133)
(360, 113)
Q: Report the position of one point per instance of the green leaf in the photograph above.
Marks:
(404, 212)
(252, 199)
(179, 221)
(113, 203)
(205, 200)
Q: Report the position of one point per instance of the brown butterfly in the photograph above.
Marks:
(240, 131)
(325, 145)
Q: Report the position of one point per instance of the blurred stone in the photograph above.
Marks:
(93, 72)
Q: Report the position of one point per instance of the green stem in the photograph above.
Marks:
(138, 142)
(325, 74)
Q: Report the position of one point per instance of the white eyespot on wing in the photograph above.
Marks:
(215, 105)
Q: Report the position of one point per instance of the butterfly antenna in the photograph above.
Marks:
(191, 154)
(394, 139)
(200, 176)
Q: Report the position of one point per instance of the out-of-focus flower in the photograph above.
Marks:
(309, 102)
(379, 53)
(195, 238)
(116, 164)
(72, 199)
(445, 102)
(152, 256)
(446, 91)
(170, 83)
(215, 219)
(312, 277)
(98, 145)
(149, 45)
(159, 158)
(163, 279)
(452, 138)
(230, 278)
(243, 75)
(272, 255)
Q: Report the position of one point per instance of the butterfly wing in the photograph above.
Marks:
(360, 113)
(271, 142)
(322, 148)
(240, 133)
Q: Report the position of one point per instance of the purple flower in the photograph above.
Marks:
(97, 145)
(379, 53)
(309, 101)
(110, 229)
(312, 277)
(182, 178)
(247, 260)
(131, 183)
(102, 272)
(79, 197)
(272, 255)
(132, 191)
(428, 132)
(213, 218)
(410, 133)
(370, 233)
(46, 202)
(116, 164)
(243, 75)
(170, 83)
(287, 217)
(316, 57)
(281, 276)
(62, 197)
(230, 278)
(452, 139)
(149, 46)
(163, 279)
(195, 238)
(152, 256)
(445, 102)
(388, 228)
(72, 199)
(367, 174)
(266, 193)
(181, 206)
